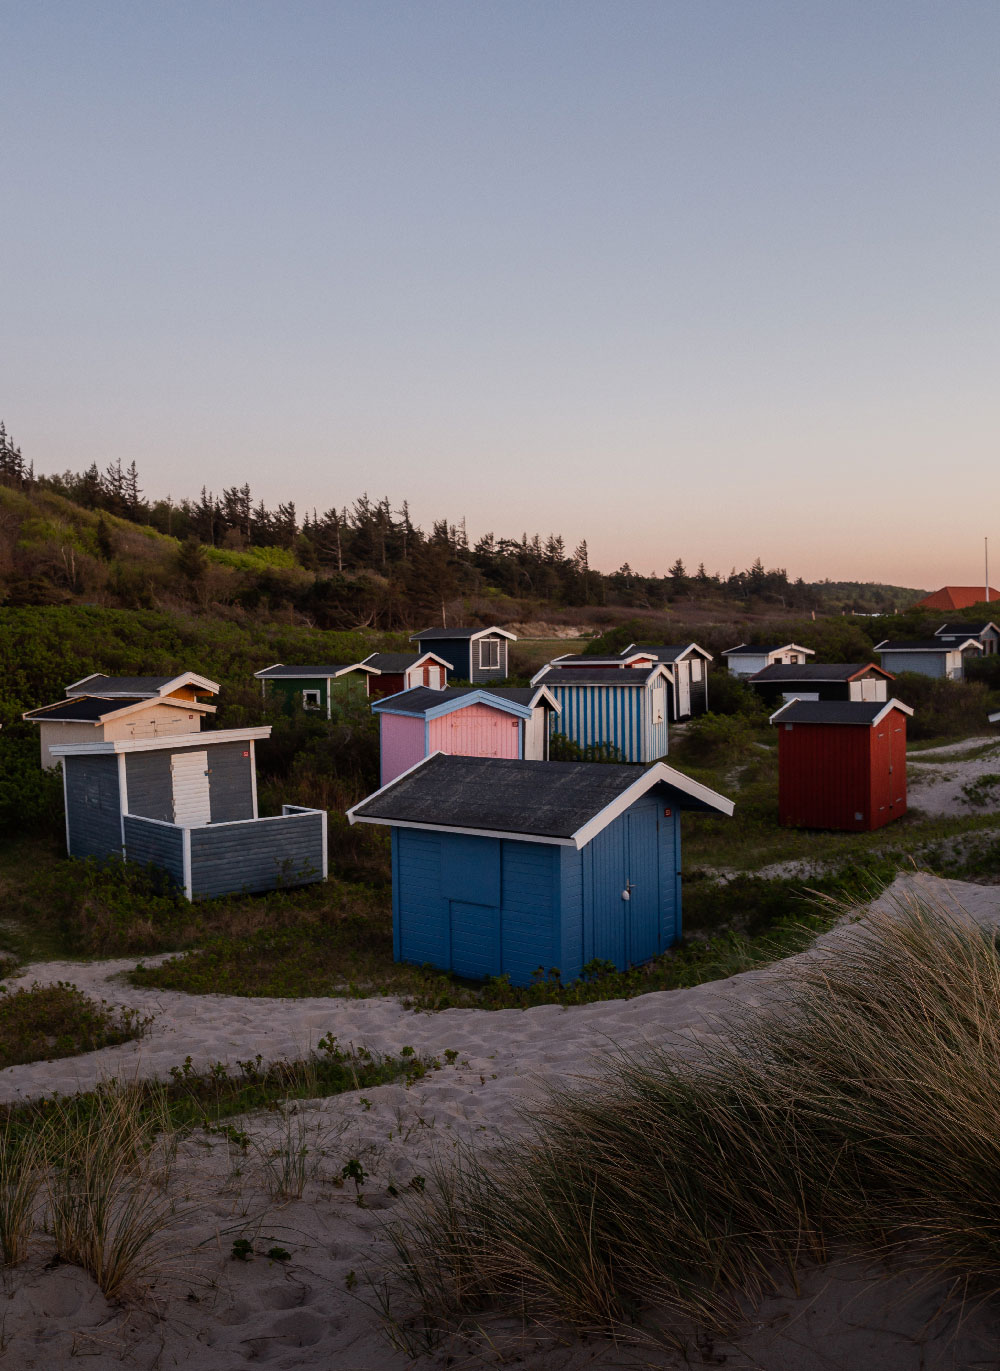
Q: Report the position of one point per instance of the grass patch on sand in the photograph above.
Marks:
(763, 921)
(42, 1022)
(54, 907)
(857, 1115)
(89, 1172)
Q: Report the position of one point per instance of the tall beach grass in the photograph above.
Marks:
(859, 1112)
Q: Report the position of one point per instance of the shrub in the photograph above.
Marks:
(30, 798)
(942, 708)
(718, 738)
(730, 695)
(107, 1206)
(563, 749)
(43, 1022)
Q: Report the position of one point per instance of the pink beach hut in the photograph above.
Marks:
(467, 721)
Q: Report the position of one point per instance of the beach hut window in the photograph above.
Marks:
(696, 668)
(311, 699)
(489, 652)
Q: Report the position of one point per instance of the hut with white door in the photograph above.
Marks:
(187, 805)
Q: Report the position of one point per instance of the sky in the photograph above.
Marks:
(709, 279)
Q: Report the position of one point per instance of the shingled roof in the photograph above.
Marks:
(599, 675)
(861, 712)
(429, 634)
(142, 687)
(280, 672)
(816, 671)
(923, 644)
(86, 709)
(559, 802)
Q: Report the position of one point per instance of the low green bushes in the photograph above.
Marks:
(858, 1113)
(41, 1022)
(943, 708)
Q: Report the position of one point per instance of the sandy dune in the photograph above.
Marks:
(212, 1313)
(937, 787)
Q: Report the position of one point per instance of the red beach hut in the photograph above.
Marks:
(841, 763)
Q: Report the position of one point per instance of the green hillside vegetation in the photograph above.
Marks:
(93, 537)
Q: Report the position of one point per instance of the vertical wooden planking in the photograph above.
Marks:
(422, 917)
(842, 776)
(476, 731)
(607, 878)
(401, 744)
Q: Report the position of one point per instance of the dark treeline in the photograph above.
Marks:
(371, 563)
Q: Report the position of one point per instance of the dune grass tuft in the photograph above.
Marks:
(42, 1022)
(108, 1168)
(858, 1112)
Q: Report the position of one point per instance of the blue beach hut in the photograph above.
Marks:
(500, 867)
(473, 654)
(621, 707)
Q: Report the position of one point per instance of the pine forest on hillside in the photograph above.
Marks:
(95, 537)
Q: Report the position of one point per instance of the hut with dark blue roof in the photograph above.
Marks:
(502, 867)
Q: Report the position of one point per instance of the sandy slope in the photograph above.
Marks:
(211, 1313)
(936, 787)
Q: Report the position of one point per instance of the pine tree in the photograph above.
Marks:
(132, 493)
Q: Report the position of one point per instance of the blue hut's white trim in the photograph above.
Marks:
(658, 773)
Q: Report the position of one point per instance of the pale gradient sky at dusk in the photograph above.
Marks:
(706, 279)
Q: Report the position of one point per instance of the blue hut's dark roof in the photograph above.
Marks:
(545, 800)
(918, 644)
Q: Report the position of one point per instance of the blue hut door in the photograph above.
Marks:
(642, 920)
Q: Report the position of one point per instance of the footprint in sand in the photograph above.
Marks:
(289, 1295)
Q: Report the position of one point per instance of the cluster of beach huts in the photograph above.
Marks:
(502, 860)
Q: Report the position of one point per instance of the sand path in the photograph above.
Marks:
(937, 787)
(316, 1311)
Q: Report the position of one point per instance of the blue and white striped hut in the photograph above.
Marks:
(621, 707)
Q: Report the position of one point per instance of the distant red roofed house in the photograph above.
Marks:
(957, 597)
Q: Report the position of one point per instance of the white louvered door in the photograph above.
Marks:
(189, 774)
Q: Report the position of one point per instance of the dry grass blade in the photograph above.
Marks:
(284, 1164)
(22, 1166)
(859, 1111)
(106, 1194)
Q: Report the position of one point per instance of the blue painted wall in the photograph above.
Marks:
(923, 663)
(495, 906)
(622, 716)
